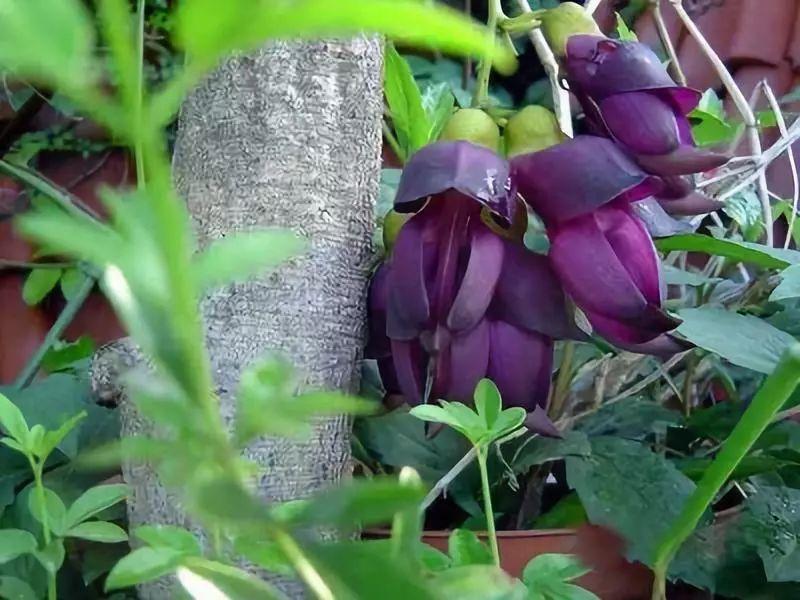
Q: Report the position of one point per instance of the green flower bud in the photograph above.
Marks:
(472, 125)
(563, 21)
(393, 221)
(532, 129)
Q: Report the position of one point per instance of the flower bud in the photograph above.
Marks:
(532, 129)
(472, 125)
(566, 19)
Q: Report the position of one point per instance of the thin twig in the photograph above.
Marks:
(666, 41)
(21, 265)
(776, 109)
(548, 60)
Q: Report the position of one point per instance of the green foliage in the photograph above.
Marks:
(548, 577)
(465, 548)
(622, 30)
(789, 287)
(709, 123)
(757, 254)
(38, 284)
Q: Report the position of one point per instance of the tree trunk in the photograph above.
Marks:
(286, 137)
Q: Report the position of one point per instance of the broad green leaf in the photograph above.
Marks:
(465, 548)
(98, 531)
(623, 31)
(14, 543)
(626, 487)
(47, 41)
(204, 579)
(508, 421)
(241, 256)
(757, 254)
(14, 445)
(709, 123)
(439, 102)
(63, 356)
(566, 513)
(469, 421)
(488, 402)
(12, 421)
(142, 565)
(95, 500)
(362, 502)
(169, 536)
(778, 539)
(207, 29)
(264, 553)
(54, 507)
(475, 582)
(462, 419)
(745, 209)
(71, 281)
(411, 123)
(743, 340)
(547, 568)
(35, 438)
(632, 418)
(433, 559)
(16, 589)
(38, 284)
(674, 276)
(789, 287)
(537, 449)
(52, 439)
(51, 557)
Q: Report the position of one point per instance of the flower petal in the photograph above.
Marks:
(474, 171)
(578, 176)
(529, 295)
(469, 359)
(684, 160)
(478, 285)
(635, 339)
(537, 421)
(692, 204)
(408, 308)
(642, 122)
(408, 363)
(520, 363)
(378, 343)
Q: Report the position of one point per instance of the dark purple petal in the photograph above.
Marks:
(388, 376)
(657, 221)
(474, 171)
(635, 339)
(408, 306)
(642, 122)
(408, 363)
(676, 187)
(537, 421)
(529, 295)
(601, 67)
(469, 359)
(578, 176)
(693, 203)
(634, 249)
(684, 160)
(451, 238)
(597, 280)
(378, 343)
(520, 363)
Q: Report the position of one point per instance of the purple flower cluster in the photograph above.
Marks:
(461, 297)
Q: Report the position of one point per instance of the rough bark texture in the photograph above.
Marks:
(286, 137)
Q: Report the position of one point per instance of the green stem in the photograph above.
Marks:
(139, 93)
(487, 503)
(74, 304)
(769, 399)
(688, 384)
(481, 96)
(393, 143)
(561, 389)
(42, 501)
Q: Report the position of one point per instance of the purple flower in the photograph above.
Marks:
(627, 94)
(457, 300)
(584, 189)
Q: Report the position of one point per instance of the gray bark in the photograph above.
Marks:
(286, 137)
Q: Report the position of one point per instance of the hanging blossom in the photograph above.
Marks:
(460, 298)
(584, 190)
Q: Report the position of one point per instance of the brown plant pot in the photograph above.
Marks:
(612, 577)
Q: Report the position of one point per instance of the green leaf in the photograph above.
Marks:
(14, 543)
(51, 557)
(38, 284)
(789, 287)
(465, 548)
(566, 513)
(409, 118)
(362, 502)
(743, 340)
(626, 487)
(54, 507)
(488, 402)
(475, 582)
(675, 276)
(456, 415)
(439, 102)
(537, 449)
(241, 256)
(169, 536)
(207, 29)
(98, 531)
(264, 553)
(204, 579)
(745, 209)
(12, 420)
(433, 559)
(757, 254)
(95, 500)
(508, 421)
(546, 568)
(624, 32)
(71, 281)
(52, 439)
(709, 123)
(779, 541)
(633, 418)
(142, 565)
(48, 41)
(63, 356)
(16, 589)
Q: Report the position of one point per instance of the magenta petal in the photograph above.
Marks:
(469, 359)
(537, 421)
(408, 364)
(634, 249)
(693, 203)
(378, 343)
(529, 295)
(578, 176)
(408, 306)
(633, 335)
(520, 363)
(642, 122)
(684, 160)
(478, 285)
(474, 171)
